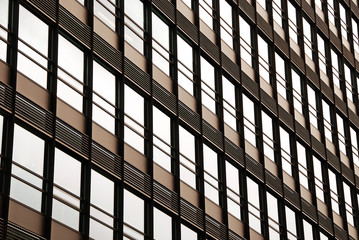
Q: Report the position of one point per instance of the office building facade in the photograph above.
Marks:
(181, 119)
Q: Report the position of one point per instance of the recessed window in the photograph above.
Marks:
(160, 44)
(268, 140)
(233, 190)
(291, 223)
(211, 181)
(226, 23)
(188, 166)
(254, 212)
(285, 152)
(133, 216)
(185, 65)
(206, 12)
(229, 103)
(273, 217)
(162, 225)
(4, 18)
(208, 85)
(249, 120)
(105, 10)
(134, 24)
(187, 233)
(245, 41)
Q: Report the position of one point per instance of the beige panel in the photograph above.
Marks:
(186, 11)
(251, 150)
(352, 232)
(261, 11)
(26, 217)
(231, 134)
(330, 146)
(319, 13)
(213, 210)
(310, 62)
(189, 194)
(235, 225)
(344, 159)
(245, 67)
(4, 73)
(345, 43)
(338, 92)
(288, 180)
(135, 56)
(33, 91)
(294, 46)
(266, 87)
(278, 29)
(206, 30)
(356, 170)
(315, 132)
(324, 77)
(337, 219)
(76, 9)
(135, 158)
(162, 78)
(271, 166)
(351, 105)
(254, 235)
(105, 138)
(305, 194)
(299, 117)
(106, 33)
(283, 102)
(322, 207)
(210, 117)
(333, 28)
(164, 177)
(61, 232)
(230, 53)
(71, 116)
(187, 99)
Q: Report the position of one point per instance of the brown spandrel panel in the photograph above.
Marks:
(354, 118)
(312, 76)
(247, 9)
(341, 105)
(68, 114)
(281, 44)
(322, 26)
(4, 73)
(26, 217)
(105, 138)
(355, 10)
(76, 9)
(33, 91)
(309, 10)
(328, 92)
(297, 60)
(61, 232)
(335, 41)
(348, 56)
(265, 27)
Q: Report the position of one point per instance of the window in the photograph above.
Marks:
(104, 97)
(226, 23)
(249, 120)
(185, 65)
(268, 140)
(134, 120)
(254, 209)
(313, 106)
(27, 168)
(355, 36)
(133, 216)
(308, 39)
(285, 151)
(187, 234)
(134, 24)
(105, 10)
(206, 12)
(302, 165)
(348, 203)
(307, 230)
(233, 190)
(208, 85)
(331, 16)
(348, 82)
(344, 27)
(277, 12)
(160, 44)
(322, 56)
(280, 76)
(297, 92)
(162, 149)
(263, 60)
(33, 47)
(245, 41)
(341, 134)
(188, 166)
(4, 18)
(67, 191)
(290, 217)
(229, 103)
(162, 225)
(101, 207)
(70, 74)
(293, 23)
(318, 178)
(327, 121)
(333, 191)
(210, 169)
(273, 217)
(335, 69)
(354, 144)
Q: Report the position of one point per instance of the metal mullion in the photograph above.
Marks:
(211, 14)
(160, 44)
(188, 159)
(187, 68)
(4, 40)
(231, 34)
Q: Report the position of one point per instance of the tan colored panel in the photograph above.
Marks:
(231, 134)
(4, 73)
(213, 210)
(330, 146)
(187, 99)
(322, 207)
(135, 158)
(235, 225)
(186, 11)
(247, 69)
(76, 9)
(254, 235)
(106, 33)
(315, 132)
(206, 30)
(71, 116)
(284, 103)
(34, 92)
(60, 232)
(105, 138)
(135, 56)
(162, 78)
(266, 87)
(251, 150)
(299, 117)
(189, 194)
(230, 53)
(26, 217)
(305, 194)
(261, 11)
(337, 219)
(288, 180)
(271, 166)
(352, 232)
(210, 117)
(164, 177)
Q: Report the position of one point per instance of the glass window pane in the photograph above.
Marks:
(4, 16)
(162, 139)
(162, 225)
(133, 215)
(187, 234)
